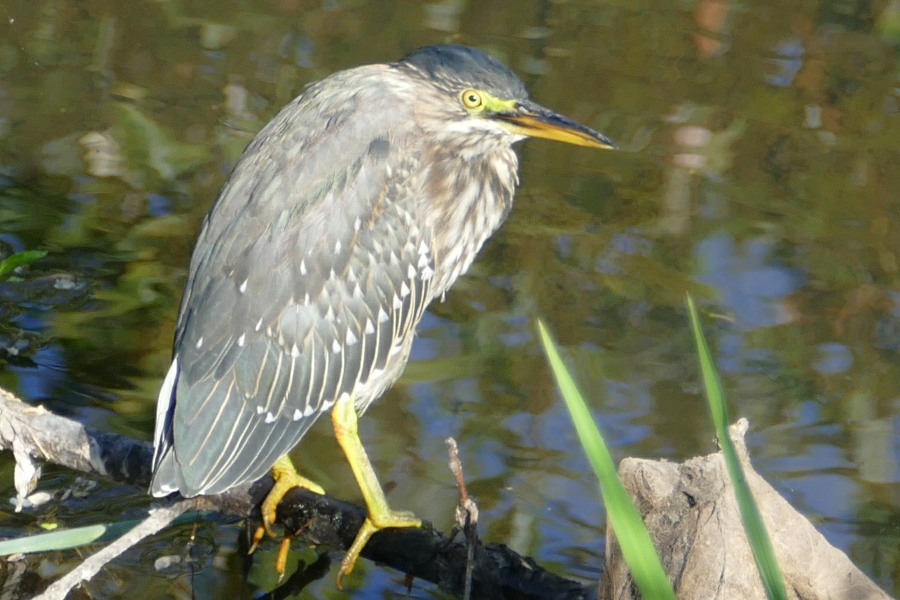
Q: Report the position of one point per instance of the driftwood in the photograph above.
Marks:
(158, 519)
(689, 509)
(427, 554)
(692, 514)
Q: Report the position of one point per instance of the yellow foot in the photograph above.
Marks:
(345, 420)
(394, 519)
(286, 478)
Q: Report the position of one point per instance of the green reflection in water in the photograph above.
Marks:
(759, 173)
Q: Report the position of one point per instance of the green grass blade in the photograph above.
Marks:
(766, 563)
(65, 538)
(13, 261)
(637, 547)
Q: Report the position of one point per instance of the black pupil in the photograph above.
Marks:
(473, 99)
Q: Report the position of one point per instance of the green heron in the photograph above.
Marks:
(355, 206)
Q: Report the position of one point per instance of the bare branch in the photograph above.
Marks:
(421, 553)
(157, 520)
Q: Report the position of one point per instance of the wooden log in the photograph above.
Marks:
(691, 512)
(498, 572)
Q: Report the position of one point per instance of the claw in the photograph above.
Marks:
(281, 559)
(286, 478)
(258, 535)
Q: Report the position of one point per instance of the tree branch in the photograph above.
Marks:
(159, 518)
(421, 553)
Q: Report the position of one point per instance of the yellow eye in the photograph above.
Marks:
(471, 99)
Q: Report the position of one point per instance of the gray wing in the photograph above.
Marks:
(310, 272)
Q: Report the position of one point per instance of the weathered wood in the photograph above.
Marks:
(426, 554)
(692, 515)
(689, 509)
(157, 520)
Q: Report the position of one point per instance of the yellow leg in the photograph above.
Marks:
(345, 420)
(286, 478)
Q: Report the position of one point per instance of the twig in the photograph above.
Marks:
(467, 510)
(157, 519)
(424, 553)
(466, 516)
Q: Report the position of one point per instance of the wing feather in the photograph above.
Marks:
(299, 289)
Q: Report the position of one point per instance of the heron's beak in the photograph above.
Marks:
(536, 121)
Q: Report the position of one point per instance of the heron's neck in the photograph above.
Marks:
(470, 196)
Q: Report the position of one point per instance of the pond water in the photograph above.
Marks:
(758, 170)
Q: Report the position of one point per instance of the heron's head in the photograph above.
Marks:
(465, 95)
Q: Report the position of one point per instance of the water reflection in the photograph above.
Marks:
(758, 173)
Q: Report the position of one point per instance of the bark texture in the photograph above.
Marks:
(693, 518)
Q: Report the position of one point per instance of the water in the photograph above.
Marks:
(758, 171)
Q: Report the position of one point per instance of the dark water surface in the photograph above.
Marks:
(759, 171)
